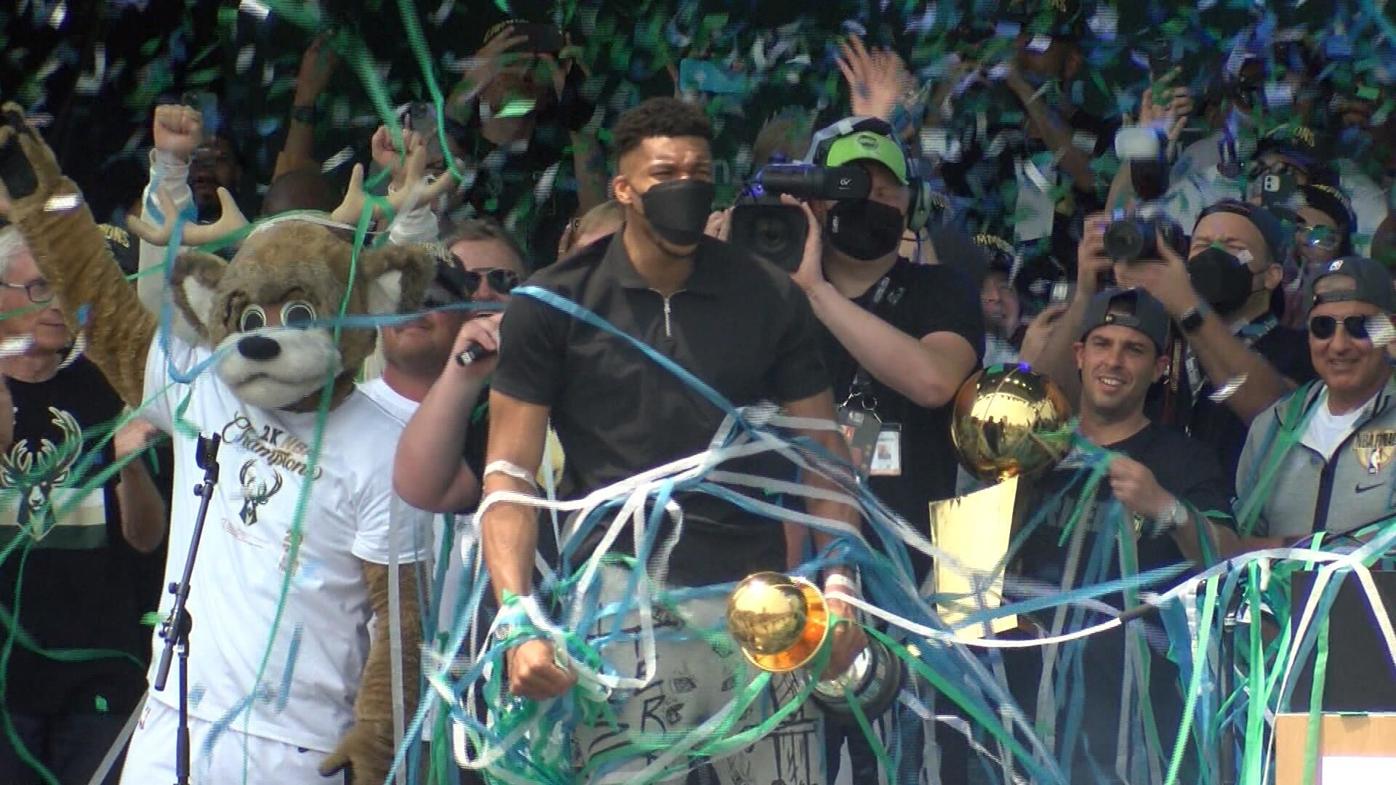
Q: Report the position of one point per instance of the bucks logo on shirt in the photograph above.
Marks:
(40, 494)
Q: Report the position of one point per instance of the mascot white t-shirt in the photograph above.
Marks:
(313, 661)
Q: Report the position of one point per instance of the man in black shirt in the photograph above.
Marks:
(1162, 501)
(1233, 268)
(736, 324)
(899, 339)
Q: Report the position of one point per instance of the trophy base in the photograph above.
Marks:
(874, 679)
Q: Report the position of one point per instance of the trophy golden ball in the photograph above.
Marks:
(1010, 421)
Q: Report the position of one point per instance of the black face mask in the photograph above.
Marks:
(679, 209)
(864, 229)
(1221, 279)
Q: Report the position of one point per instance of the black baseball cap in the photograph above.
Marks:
(1128, 308)
(1372, 284)
(1277, 236)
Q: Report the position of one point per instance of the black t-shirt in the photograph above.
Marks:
(739, 325)
(1215, 424)
(1181, 468)
(77, 581)
(919, 300)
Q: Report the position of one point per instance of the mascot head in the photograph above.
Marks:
(270, 312)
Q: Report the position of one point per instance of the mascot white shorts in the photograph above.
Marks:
(151, 758)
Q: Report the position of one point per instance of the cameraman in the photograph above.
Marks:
(899, 338)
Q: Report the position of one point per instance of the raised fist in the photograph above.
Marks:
(178, 130)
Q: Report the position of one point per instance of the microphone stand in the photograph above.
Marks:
(1226, 663)
(176, 627)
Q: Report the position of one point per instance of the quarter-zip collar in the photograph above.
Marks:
(617, 265)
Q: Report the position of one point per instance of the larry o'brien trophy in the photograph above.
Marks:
(1009, 422)
(781, 622)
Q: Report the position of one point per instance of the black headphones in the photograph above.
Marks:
(918, 211)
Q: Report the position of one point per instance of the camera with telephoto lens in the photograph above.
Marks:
(776, 232)
(1134, 237)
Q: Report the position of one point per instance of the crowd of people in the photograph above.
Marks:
(534, 295)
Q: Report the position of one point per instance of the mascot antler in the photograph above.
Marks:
(418, 192)
(230, 221)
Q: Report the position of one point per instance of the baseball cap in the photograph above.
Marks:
(865, 140)
(1372, 283)
(1272, 229)
(1144, 313)
(1331, 202)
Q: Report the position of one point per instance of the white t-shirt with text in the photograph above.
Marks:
(314, 659)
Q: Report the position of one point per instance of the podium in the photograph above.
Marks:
(1352, 749)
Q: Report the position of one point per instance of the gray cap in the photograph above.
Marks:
(1142, 312)
(1373, 284)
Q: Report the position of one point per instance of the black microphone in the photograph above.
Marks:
(1141, 611)
(472, 353)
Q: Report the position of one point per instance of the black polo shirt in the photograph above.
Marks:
(739, 324)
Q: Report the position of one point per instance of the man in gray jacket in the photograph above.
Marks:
(1321, 458)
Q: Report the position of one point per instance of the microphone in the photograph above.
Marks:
(472, 353)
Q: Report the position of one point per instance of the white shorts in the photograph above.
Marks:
(151, 757)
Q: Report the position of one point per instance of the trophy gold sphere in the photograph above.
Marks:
(778, 621)
(1008, 421)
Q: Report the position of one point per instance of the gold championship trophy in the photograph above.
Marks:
(1009, 421)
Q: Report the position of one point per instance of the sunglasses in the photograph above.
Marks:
(1323, 238)
(1323, 327)
(500, 279)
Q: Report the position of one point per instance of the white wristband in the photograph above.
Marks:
(842, 583)
(510, 469)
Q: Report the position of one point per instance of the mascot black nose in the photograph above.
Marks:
(257, 347)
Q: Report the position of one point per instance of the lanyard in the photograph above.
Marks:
(860, 388)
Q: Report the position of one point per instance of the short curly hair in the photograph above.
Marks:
(658, 117)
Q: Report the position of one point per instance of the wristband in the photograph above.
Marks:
(509, 470)
(511, 617)
(304, 114)
(840, 582)
(1192, 318)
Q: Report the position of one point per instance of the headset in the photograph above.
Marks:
(918, 212)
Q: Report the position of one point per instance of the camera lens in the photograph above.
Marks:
(770, 236)
(1124, 240)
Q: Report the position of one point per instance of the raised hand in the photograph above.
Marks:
(1166, 106)
(876, 79)
(317, 65)
(178, 130)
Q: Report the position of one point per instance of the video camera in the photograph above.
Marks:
(776, 232)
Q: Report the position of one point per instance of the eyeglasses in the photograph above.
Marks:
(501, 280)
(1323, 327)
(1323, 238)
(40, 292)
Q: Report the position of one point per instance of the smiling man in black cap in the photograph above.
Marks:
(1163, 501)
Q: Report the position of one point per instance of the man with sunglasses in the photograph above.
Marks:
(443, 447)
(1332, 443)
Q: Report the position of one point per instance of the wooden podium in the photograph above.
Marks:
(1371, 736)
